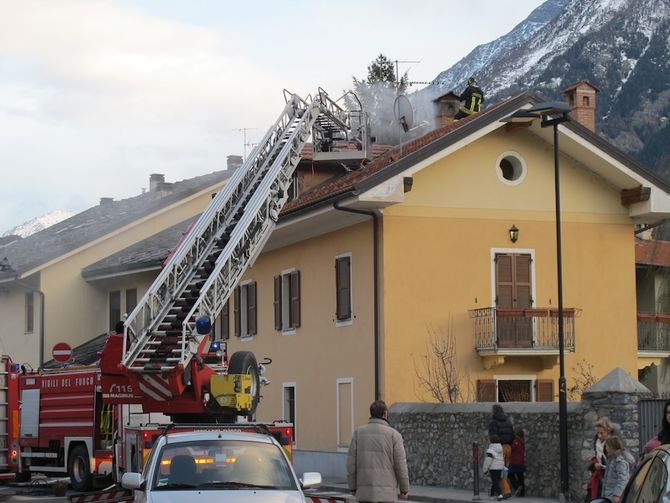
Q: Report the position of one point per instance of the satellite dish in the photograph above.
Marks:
(403, 111)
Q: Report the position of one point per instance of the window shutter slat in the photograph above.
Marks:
(236, 312)
(486, 390)
(544, 390)
(277, 302)
(294, 291)
(251, 305)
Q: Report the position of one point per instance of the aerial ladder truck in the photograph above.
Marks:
(74, 420)
(163, 359)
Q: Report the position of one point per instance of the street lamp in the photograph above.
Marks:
(552, 114)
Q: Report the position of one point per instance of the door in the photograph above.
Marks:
(513, 295)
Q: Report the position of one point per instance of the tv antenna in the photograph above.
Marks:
(244, 132)
(397, 74)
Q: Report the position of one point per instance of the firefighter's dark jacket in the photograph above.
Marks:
(472, 99)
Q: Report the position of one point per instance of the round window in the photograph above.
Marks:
(511, 168)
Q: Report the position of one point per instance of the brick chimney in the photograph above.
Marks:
(447, 106)
(155, 180)
(582, 98)
(106, 201)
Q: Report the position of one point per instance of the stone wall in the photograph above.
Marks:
(439, 437)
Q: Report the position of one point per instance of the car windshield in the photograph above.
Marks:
(222, 464)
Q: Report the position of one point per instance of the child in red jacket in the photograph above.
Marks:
(517, 463)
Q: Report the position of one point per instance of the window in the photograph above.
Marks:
(30, 312)
(114, 308)
(288, 407)
(343, 288)
(513, 292)
(345, 410)
(222, 326)
(287, 300)
(245, 309)
(511, 168)
(131, 300)
(515, 389)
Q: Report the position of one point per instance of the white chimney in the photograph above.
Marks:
(155, 180)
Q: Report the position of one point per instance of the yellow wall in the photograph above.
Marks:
(437, 261)
(319, 352)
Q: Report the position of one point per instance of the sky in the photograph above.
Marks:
(96, 95)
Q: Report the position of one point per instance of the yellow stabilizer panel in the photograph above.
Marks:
(232, 391)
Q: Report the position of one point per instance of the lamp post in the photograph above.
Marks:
(552, 114)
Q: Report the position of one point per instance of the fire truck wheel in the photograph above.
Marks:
(244, 362)
(79, 469)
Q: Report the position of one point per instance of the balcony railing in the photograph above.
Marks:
(516, 330)
(653, 332)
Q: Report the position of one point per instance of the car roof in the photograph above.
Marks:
(213, 434)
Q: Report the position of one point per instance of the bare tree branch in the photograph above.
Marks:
(439, 373)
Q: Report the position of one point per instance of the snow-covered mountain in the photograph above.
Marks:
(620, 46)
(37, 224)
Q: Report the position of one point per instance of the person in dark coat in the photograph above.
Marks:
(472, 99)
(664, 434)
(500, 425)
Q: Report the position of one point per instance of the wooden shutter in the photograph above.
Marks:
(236, 312)
(343, 287)
(277, 303)
(504, 281)
(224, 321)
(522, 284)
(294, 294)
(544, 390)
(486, 390)
(251, 308)
(513, 281)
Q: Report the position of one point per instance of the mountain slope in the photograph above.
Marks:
(620, 46)
(37, 224)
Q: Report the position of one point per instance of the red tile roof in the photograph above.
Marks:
(652, 252)
(347, 181)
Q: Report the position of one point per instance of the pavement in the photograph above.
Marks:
(429, 494)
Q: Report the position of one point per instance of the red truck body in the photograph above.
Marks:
(57, 422)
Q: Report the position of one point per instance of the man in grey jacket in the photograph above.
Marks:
(376, 463)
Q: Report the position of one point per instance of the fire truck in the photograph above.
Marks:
(75, 420)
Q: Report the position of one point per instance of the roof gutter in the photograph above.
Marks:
(375, 260)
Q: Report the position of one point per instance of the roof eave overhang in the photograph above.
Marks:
(120, 271)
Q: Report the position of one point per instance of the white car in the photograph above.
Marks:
(218, 466)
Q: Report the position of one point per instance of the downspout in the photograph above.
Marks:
(42, 299)
(375, 248)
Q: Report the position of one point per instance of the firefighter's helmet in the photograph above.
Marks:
(203, 325)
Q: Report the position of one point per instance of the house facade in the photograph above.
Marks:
(46, 295)
(439, 250)
(418, 245)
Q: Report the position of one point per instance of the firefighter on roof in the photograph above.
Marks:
(471, 99)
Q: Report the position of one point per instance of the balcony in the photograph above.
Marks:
(521, 332)
(653, 334)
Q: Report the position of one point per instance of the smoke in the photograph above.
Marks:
(379, 101)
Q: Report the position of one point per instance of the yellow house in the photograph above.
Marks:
(46, 295)
(444, 244)
(371, 273)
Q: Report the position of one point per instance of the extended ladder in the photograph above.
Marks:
(226, 239)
